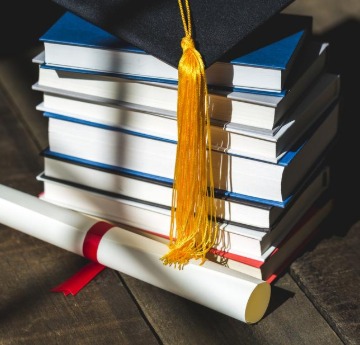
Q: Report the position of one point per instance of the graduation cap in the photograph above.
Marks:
(156, 27)
(190, 35)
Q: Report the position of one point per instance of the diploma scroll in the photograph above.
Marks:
(227, 291)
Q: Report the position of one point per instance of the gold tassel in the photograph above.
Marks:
(193, 228)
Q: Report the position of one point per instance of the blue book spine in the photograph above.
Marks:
(159, 179)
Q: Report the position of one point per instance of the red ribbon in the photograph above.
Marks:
(90, 247)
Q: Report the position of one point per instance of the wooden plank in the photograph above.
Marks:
(330, 276)
(31, 314)
(291, 319)
(102, 313)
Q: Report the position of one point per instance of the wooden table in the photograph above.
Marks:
(115, 308)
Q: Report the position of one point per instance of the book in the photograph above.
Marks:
(124, 96)
(75, 43)
(239, 239)
(265, 145)
(277, 258)
(230, 207)
(156, 156)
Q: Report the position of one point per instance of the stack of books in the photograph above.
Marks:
(112, 137)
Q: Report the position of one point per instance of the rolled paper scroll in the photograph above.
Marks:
(227, 291)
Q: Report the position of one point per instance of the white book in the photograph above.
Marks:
(238, 239)
(156, 156)
(248, 107)
(259, 213)
(269, 146)
(277, 258)
(71, 41)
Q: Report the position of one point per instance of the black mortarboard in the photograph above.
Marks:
(155, 25)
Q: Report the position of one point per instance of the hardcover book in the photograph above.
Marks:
(76, 43)
(239, 239)
(247, 107)
(155, 190)
(278, 257)
(245, 141)
(156, 156)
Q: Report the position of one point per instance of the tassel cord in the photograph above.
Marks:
(193, 228)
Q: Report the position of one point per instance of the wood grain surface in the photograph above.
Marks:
(312, 305)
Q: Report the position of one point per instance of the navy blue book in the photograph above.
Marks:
(113, 94)
(150, 156)
(261, 214)
(262, 64)
(238, 239)
(245, 141)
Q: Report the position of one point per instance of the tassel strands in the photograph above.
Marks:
(193, 228)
